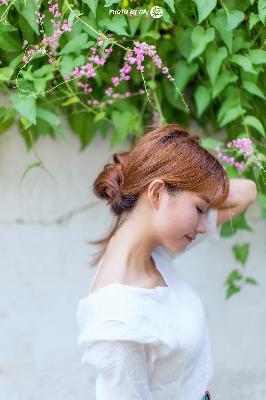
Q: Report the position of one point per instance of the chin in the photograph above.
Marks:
(176, 247)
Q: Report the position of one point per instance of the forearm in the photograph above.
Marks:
(242, 191)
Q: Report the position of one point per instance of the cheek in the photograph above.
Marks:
(174, 222)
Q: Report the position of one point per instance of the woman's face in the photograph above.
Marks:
(177, 215)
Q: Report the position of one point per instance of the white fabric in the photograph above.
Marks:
(148, 344)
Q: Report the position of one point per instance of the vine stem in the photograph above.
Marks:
(6, 11)
(145, 86)
(41, 166)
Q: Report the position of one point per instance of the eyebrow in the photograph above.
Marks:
(205, 198)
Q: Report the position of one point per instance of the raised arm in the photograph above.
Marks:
(243, 192)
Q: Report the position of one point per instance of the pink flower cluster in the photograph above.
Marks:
(244, 144)
(88, 70)
(142, 49)
(117, 96)
(231, 160)
(51, 41)
(137, 56)
(124, 76)
(85, 86)
(3, 2)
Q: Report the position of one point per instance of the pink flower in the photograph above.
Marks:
(115, 80)
(109, 91)
(244, 144)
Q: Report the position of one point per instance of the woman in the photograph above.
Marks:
(142, 326)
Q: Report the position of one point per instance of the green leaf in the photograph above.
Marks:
(73, 14)
(117, 24)
(238, 223)
(6, 73)
(91, 24)
(241, 252)
(171, 5)
(232, 115)
(224, 23)
(262, 10)
(133, 24)
(253, 19)
(15, 61)
(99, 116)
(231, 290)
(251, 280)
(152, 34)
(211, 143)
(121, 121)
(202, 98)
(29, 168)
(183, 40)
(82, 124)
(92, 4)
(222, 81)
(200, 38)
(243, 62)
(6, 27)
(231, 20)
(109, 3)
(25, 105)
(29, 14)
(8, 42)
(204, 8)
(6, 118)
(262, 201)
(240, 41)
(234, 18)
(233, 276)
(72, 100)
(214, 59)
(183, 73)
(257, 56)
(44, 70)
(47, 116)
(255, 123)
(25, 122)
(253, 89)
(77, 43)
(152, 85)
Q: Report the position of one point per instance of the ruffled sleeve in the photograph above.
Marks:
(118, 341)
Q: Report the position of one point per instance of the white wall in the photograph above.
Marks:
(44, 226)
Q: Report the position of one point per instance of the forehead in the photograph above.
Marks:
(208, 195)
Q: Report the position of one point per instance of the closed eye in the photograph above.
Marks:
(200, 211)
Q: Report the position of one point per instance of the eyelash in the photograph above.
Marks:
(200, 211)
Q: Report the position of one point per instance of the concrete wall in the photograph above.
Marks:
(44, 226)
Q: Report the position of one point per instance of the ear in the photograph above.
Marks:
(155, 191)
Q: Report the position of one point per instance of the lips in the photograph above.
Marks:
(189, 238)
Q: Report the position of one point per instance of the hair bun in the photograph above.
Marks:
(110, 181)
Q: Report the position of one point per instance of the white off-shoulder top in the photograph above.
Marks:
(148, 344)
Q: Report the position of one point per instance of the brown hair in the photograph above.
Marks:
(169, 153)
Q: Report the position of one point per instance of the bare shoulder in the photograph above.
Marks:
(110, 273)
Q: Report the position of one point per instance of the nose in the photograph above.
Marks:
(202, 225)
